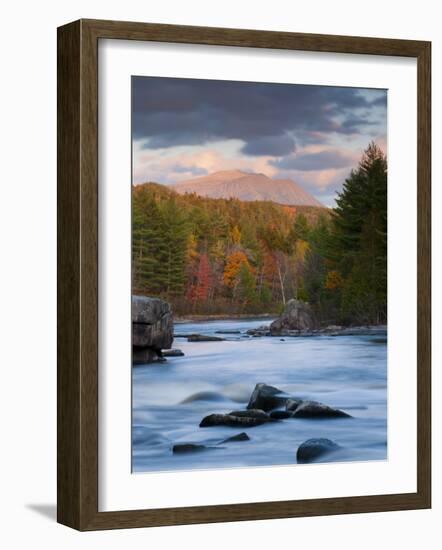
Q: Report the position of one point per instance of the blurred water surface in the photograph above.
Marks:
(348, 372)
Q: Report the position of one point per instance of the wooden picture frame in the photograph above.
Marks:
(78, 274)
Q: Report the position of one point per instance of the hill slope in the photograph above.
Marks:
(247, 187)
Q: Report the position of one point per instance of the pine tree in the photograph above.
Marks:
(246, 284)
(175, 246)
(147, 245)
(359, 246)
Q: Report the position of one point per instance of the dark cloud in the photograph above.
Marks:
(306, 162)
(352, 124)
(276, 146)
(380, 100)
(169, 112)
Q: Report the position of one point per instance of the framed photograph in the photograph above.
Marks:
(243, 274)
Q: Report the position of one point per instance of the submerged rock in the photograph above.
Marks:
(204, 338)
(181, 448)
(266, 398)
(142, 356)
(228, 331)
(314, 409)
(172, 353)
(315, 448)
(238, 437)
(204, 396)
(146, 436)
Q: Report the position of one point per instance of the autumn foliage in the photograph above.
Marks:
(229, 256)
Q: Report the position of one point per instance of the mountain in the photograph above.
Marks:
(247, 187)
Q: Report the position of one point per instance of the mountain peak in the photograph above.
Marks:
(247, 186)
(229, 173)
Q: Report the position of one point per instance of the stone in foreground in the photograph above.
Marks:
(234, 421)
(314, 409)
(313, 449)
(266, 398)
(250, 413)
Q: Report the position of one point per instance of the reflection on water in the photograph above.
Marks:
(348, 372)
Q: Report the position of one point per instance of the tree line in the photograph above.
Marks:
(226, 256)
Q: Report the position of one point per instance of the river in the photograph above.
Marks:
(347, 372)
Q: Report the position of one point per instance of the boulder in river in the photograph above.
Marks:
(250, 413)
(314, 409)
(238, 437)
(292, 404)
(263, 330)
(312, 449)
(266, 398)
(234, 421)
(280, 415)
(152, 328)
(204, 338)
(298, 315)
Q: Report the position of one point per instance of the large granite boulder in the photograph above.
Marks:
(298, 315)
(152, 328)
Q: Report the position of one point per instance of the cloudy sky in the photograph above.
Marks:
(184, 128)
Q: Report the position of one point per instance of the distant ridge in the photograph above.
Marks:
(247, 186)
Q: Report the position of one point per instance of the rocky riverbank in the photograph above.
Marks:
(153, 328)
(181, 319)
(332, 330)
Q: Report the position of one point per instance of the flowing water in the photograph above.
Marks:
(347, 372)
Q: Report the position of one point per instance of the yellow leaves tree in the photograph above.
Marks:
(192, 248)
(234, 263)
(333, 280)
(301, 249)
(235, 234)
